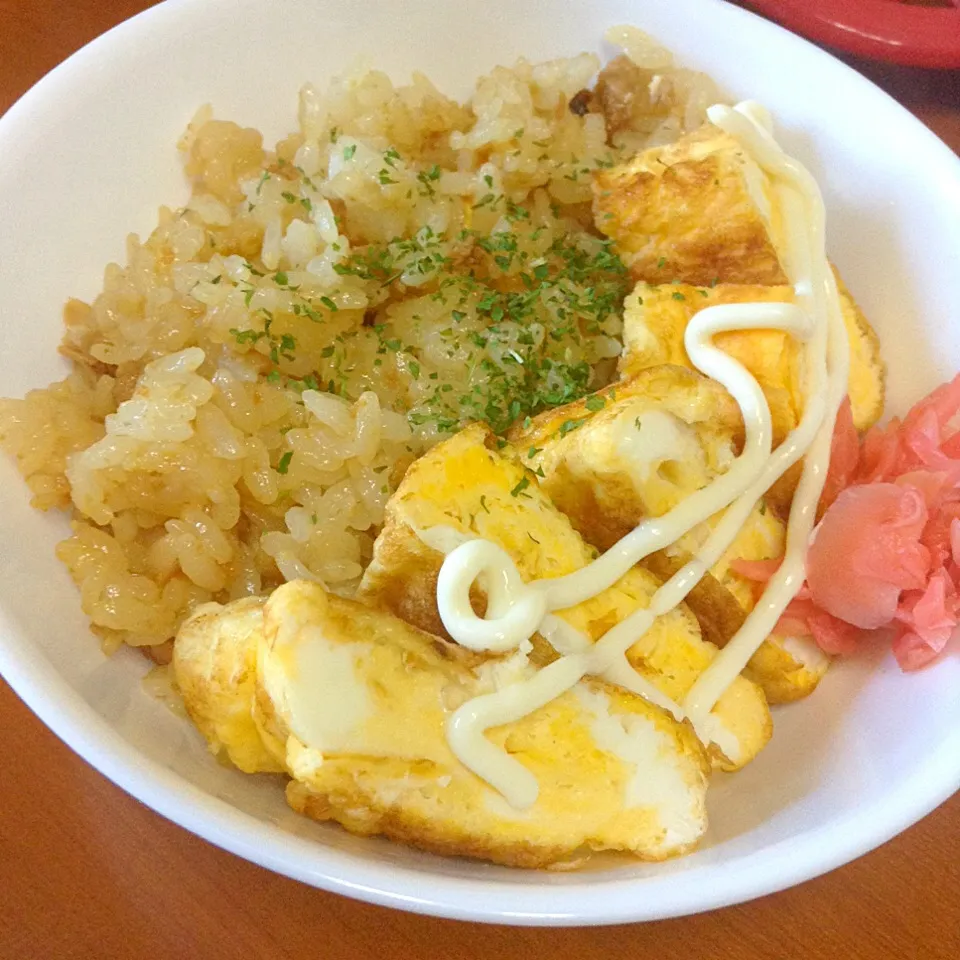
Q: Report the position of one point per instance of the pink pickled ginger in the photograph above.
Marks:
(886, 553)
(866, 551)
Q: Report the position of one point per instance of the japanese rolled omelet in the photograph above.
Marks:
(351, 704)
(698, 224)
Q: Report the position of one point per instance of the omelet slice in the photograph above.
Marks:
(214, 663)
(466, 488)
(362, 700)
(656, 317)
(868, 372)
(647, 443)
(698, 210)
(358, 702)
(640, 449)
(637, 448)
(698, 224)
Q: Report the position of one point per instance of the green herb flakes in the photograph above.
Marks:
(569, 425)
(520, 487)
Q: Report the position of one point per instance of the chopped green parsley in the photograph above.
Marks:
(520, 487)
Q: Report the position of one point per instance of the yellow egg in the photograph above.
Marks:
(214, 662)
(466, 488)
(357, 703)
(639, 449)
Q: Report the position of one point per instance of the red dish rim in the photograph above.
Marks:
(878, 29)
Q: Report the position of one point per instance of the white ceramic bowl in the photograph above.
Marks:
(88, 155)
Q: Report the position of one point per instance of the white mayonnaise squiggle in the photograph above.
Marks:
(516, 610)
(826, 374)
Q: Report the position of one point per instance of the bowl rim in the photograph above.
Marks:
(775, 867)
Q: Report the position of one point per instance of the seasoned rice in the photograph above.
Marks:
(250, 387)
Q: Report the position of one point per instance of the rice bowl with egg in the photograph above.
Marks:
(291, 466)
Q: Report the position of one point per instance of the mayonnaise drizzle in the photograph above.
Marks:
(516, 610)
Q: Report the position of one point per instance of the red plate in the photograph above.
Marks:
(920, 36)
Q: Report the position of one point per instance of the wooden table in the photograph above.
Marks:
(88, 872)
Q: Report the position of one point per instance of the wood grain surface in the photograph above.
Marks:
(88, 872)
